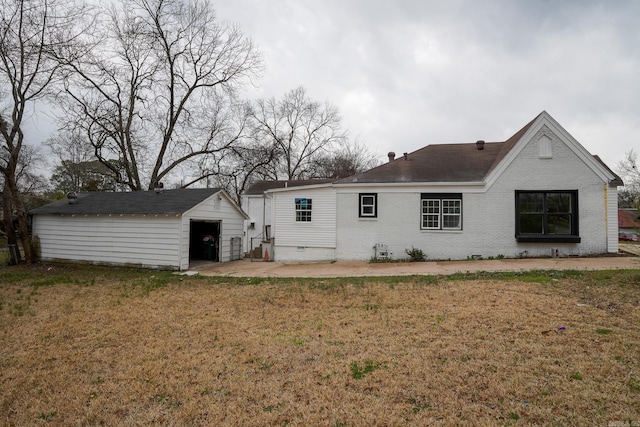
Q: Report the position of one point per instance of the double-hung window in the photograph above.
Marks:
(547, 216)
(303, 209)
(441, 211)
(368, 205)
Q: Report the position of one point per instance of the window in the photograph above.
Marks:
(547, 216)
(303, 209)
(368, 205)
(441, 211)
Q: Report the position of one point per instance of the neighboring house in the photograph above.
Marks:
(539, 193)
(256, 202)
(166, 229)
(628, 220)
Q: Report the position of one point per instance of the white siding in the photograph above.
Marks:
(216, 208)
(148, 241)
(612, 219)
(156, 241)
(259, 210)
(304, 240)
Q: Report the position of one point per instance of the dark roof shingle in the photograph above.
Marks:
(441, 163)
(260, 187)
(135, 202)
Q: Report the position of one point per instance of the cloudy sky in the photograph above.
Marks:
(408, 73)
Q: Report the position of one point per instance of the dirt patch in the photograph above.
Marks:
(141, 348)
(247, 268)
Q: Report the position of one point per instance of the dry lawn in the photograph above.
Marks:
(93, 346)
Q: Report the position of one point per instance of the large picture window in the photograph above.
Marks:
(303, 209)
(368, 205)
(547, 216)
(441, 211)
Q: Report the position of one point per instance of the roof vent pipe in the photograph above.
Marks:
(480, 145)
(158, 187)
(72, 197)
(406, 156)
(392, 156)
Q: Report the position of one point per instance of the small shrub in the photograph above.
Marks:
(415, 254)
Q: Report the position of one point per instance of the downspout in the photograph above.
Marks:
(180, 240)
(606, 216)
(606, 212)
(264, 215)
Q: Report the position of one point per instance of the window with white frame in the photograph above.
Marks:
(441, 211)
(303, 209)
(368, 206)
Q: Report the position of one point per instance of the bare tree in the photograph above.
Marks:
(31, 163)
(241, 167)
(351, 159)
(630, 172)
(29, 31)
(301, 130)
(158, 91)
(78, 169)
(31, 184)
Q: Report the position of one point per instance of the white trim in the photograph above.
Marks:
(362, 204)
(298, 187)
(410, 184)
(545, 119)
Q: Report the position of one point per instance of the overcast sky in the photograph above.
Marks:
(408, 73)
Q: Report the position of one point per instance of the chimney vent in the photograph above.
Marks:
(480, 145)
(392, 156)
(406, 156)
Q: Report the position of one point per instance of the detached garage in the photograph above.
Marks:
(167, 229)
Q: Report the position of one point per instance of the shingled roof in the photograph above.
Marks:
(134, 202)
(260, 187)
(628, 218)
(442, 163)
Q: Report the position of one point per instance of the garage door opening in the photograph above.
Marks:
(204, 241)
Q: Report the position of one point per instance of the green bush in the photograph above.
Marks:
(416, 254)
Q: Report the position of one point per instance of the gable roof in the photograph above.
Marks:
(259, 187)
(617, 181)
(466, 163)
(135, 202)
(442, 163)
(628, 218)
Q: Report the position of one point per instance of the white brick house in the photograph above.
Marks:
(539, 193)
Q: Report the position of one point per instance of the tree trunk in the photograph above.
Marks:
(7, 220)
(21, 213)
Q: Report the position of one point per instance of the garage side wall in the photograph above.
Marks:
(137, 240)
(215, 208)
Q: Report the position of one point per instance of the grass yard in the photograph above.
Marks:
(99, 346)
